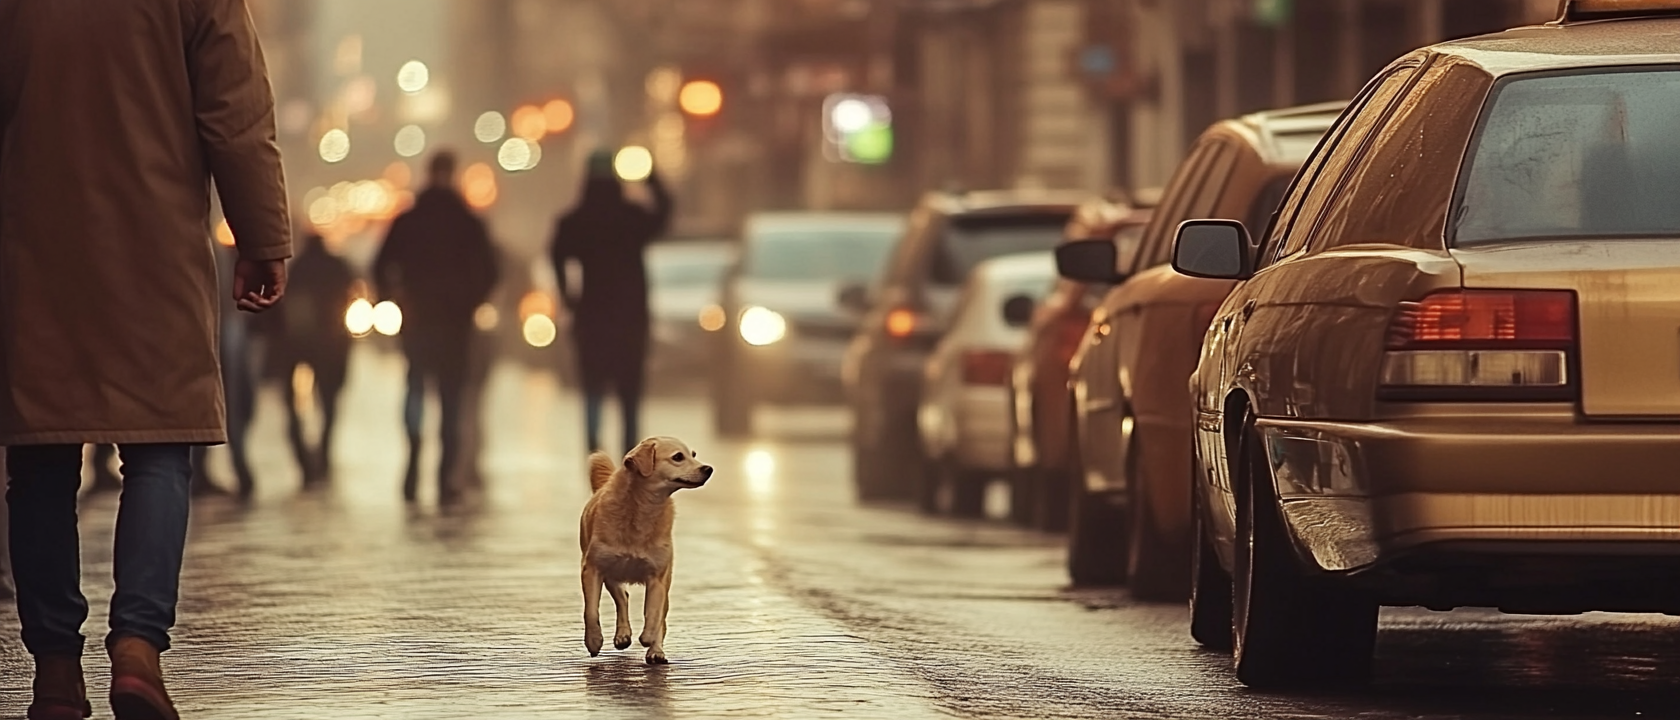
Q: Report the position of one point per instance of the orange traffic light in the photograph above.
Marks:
(701, 98)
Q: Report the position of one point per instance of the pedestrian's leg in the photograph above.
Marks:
(451, 383)
(294, 427)
(330, 392)
(151, 539)
(414, 416)
(239, 382)
(46, 561)
(632, 377)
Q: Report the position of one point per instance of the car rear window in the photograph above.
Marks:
(1576, 156)
(847, 255)
(972, 239)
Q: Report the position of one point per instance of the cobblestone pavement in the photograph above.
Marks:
(790, 601)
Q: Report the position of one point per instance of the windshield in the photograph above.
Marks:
(688, 270)
(847, 255)
(972, 240)
(1575, 156)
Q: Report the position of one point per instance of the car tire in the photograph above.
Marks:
(1157, 567)
(1096, 541)
(968, 491)
(885, 465)
(1210, 585)
(1293, 630)
(930, 483)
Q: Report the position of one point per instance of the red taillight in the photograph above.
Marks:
(987, 367)
(901, 322)
(1069, 334)
(1529, 318)
(1482, 345)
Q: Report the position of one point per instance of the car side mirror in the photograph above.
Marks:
(1090, 261)
(1018, 311)
(854, 297)
(1215, 249)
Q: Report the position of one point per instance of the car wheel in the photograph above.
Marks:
(930, 482)
(885, 464)
(1293, 630)
(1210, 585)
(968, 491)
(1096, 540)
(1157, 568)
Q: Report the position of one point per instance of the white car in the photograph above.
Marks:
(964, 411)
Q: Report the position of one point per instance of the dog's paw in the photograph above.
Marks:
(621, 640)
(647, 639)
(593, 642)
(656, 656)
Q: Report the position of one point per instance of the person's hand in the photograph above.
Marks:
(258, 284)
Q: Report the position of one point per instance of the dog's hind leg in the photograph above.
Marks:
(653, 624)
(592, 610)
(621, 604)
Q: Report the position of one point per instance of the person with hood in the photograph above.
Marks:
(113, 124)
(606, 234)
(309, 330)
(438, 265)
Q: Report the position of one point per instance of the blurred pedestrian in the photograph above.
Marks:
(606, 234)
(438, 265)
(112, 126)
(239, 349)
(309, 331)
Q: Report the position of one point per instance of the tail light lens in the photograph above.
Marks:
(904, 322)
(1481, 344)
(987, 367)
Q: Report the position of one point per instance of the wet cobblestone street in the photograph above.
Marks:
(790, 600)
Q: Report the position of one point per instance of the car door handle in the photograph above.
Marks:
(1248, 309)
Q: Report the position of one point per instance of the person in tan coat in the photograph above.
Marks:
(114, 119)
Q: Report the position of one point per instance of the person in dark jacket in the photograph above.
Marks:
(438, 265)
(309, 330)
(606, 234)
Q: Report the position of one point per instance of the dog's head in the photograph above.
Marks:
(667, 464)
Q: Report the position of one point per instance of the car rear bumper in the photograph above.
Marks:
(983, 429)
(1357, 495)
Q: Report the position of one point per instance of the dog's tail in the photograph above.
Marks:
(600, 470)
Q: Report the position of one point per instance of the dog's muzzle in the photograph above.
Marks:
(705, 474)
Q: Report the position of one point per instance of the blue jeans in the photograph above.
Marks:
(46, 555)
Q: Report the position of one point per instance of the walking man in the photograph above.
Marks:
(438, 265)
(607, 234)
(113, 122)
(309, 330)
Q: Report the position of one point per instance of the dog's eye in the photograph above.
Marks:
(677, 458)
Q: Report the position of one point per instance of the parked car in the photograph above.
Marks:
(684, 279)
(784, 328)
(1131, 512)
(1040, 430)
(948, 235)
(1447, 377)
(964, 416)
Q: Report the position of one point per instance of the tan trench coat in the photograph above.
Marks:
(114, 116)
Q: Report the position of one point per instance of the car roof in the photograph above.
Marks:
(1269, 131)
(990, 202)
(797, 221)
(1566, 46)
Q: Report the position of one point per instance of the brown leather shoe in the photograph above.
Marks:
(137, 682)
(60, 693)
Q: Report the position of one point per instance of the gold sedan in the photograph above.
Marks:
(1450, 375)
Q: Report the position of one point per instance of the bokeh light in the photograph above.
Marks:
(224, 234)
(515, 155)
(530, 123)
(324, 211)
(633, 164)
(663, 83)
(387, 318)
(358, 319)
(852, 115)
(478, 186)
(410, 141)
(712, 318)
(487, 317)
(536, 302)
(413, 77)
(558, 116)
(335, 146)
(539, 331)
(490, 127)
(702, 98)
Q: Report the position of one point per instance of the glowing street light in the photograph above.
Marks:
(490, 127)
(413, 77)
(633, 164)
(335, 146)
(701, 98)
(558, 116)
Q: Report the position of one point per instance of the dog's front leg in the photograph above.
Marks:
(653, 622)
(621, 604)
(591, 609)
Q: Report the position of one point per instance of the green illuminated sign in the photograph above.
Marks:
(872, 145)
(1272, 12)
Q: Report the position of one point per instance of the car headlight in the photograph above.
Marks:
(762, 326)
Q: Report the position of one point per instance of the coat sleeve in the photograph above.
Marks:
(658, 220)
(234, 107)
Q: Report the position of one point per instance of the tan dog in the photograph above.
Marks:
(626, 537)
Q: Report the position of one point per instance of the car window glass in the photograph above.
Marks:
(1215, 176)
(848, 255)
(1399, 189)
(969, 240)
(1180, 192)
(1577, 155)
(1331, 158)
(1259, 218)
(1128, 240)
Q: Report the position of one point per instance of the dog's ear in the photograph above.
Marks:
(640, 459)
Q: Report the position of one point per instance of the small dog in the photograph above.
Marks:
(626, 537)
